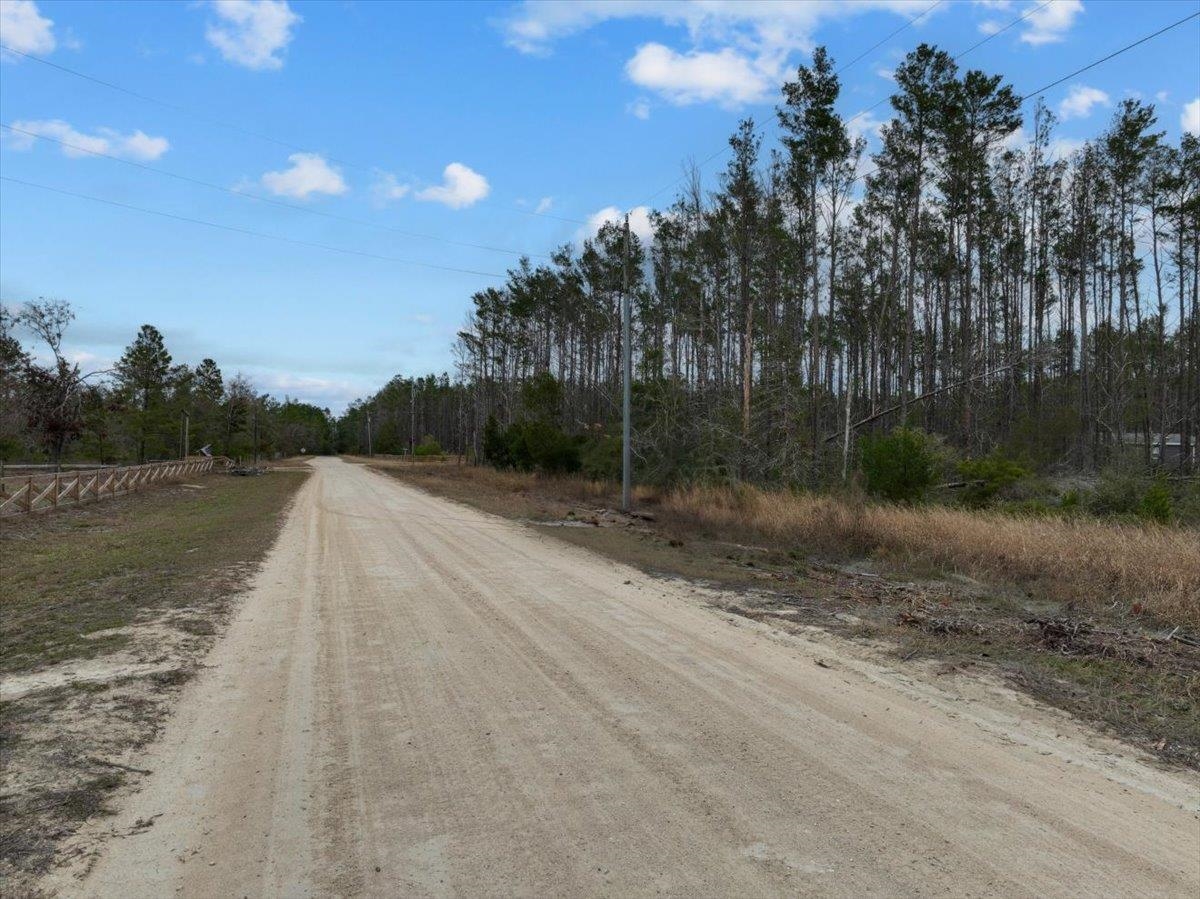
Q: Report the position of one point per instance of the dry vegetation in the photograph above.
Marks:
(1093, 564)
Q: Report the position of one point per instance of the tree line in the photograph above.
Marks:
(140, 410)
(964, 279)
(405, 413)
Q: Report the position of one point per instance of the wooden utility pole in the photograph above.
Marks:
(627, 391)
(412, 420)
(369, 452)
(187, 422)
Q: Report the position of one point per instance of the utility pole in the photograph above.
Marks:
(412, 420)
(256, 434)
(369, 453)
(627, 392)
(187, 421)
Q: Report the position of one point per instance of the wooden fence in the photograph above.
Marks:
(40, 492)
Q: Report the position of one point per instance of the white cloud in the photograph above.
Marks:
(639, 222)
(24, 28)
(1015, 139)
(537, 24)
(1064, 147)
(639, 108)
(990, 26)
(725, 76)
(1051, 24)
(544, 205)
(1080, 101)
(252, 33)
(309, 174)
(864, 124)
(461, 187)
(76, 144)
(1189, 119)
(387, 188)
(140, 145)
(1058, 148)
(739, 49)
(319, 391)
(885, 73)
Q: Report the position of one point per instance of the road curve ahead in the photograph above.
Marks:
(417, 699)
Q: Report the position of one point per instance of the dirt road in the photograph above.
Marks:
(418, 699)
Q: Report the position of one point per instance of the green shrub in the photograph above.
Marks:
(986, 477)
(555, 452)
(495, 444)
(1035, 507)
(1116, 493)
(541, 397)
(1187, 504)
(1156, 504)
(537, 446)
(428, 447)
(899, 466)
(601, 458)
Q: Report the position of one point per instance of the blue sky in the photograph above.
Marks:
(459, 121)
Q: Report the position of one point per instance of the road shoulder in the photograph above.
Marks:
(109, 612)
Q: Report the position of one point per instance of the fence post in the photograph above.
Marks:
(57, 489)
(29, 495)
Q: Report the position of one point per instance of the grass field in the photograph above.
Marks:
(71, 573)
(1096, 618)
(107, 610)
(1146, 568)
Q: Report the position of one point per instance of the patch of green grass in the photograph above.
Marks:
(70, 574)
(1158, 706)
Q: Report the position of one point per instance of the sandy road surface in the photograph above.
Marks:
(418, 699)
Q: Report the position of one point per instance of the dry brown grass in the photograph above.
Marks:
(1091, 563)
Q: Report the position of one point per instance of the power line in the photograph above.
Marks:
(1000, 31)
(975, 46)
(261, 199)
(146, 98)
(1115, 53)
(843, 68)
(1023, 99)
(1018, 20)
(905, 26)
(209, 120)
(247, 231)
(1090, 65)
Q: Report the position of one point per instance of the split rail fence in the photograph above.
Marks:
(41, 492)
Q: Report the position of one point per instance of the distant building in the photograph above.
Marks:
(1173, 446)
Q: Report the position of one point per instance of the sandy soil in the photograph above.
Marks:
(419, 699)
